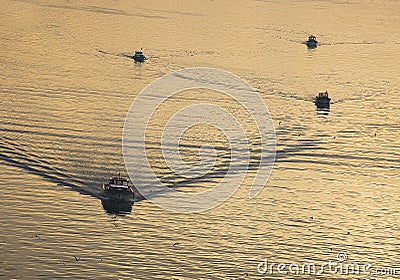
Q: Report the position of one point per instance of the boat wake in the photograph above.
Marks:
(124, 55)
(16, 155)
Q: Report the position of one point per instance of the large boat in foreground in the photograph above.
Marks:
(119, 187)
(322, 100)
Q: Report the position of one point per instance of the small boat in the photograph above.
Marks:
(119, 187)
(139, 56)
(322, 100)
(312, 42)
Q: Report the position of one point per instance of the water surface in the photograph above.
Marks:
(66, 84)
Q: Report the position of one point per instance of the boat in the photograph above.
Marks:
(120, 188)
(322, 100)
(311, 42)
(139, 56)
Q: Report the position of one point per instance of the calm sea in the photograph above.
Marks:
(66, 85)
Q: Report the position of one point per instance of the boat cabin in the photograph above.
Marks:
(323, 95)
(118, 182)
(312, 38)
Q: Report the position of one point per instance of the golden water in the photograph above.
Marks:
(66, 86)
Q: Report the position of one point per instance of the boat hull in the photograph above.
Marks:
(323, 103)
(311, 44)
(117, 194)
(139, 58)
(117, 207)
